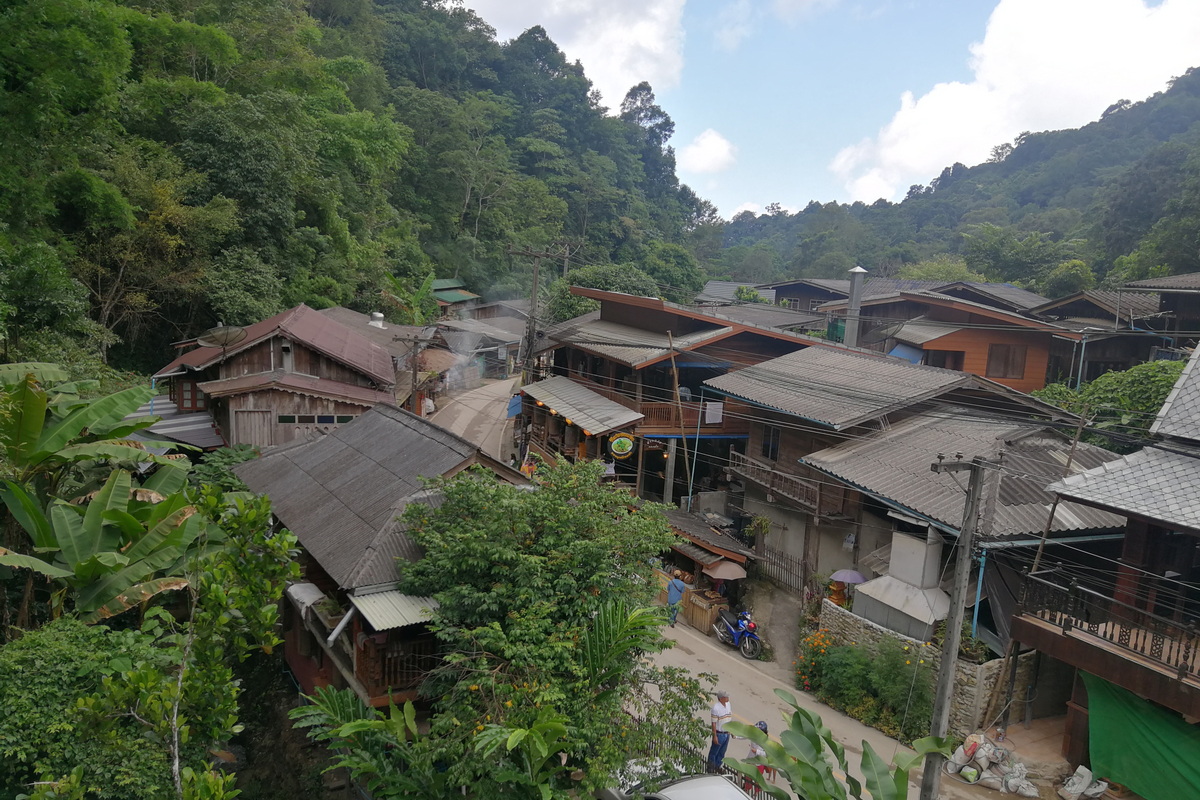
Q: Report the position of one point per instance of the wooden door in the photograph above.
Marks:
(253, 426)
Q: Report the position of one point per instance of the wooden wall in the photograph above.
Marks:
(974, 344)
(252, 418)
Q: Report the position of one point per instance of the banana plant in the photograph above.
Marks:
(814, 763)
(115, 548)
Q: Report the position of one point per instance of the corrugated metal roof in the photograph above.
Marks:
(1012, 296)
(194, 427)
(390, 337)
(493, 329)
(704, 534)
(835, 387)
(297, 383)
(895, 465)
(921, 331)
(696, 553)
(310, 328)
(392, 609)
(461, 342)
(452, 296)
(447, 283)
(626, 344)
(1188, 281)
(340, 492)
(1179, 416)
(768, 316)
(1157, 484)
(726, 292)
(593, 412)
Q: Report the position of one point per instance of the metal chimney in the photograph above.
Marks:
(850, 337)
(376, 319)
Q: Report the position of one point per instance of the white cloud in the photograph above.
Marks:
(708, 152)
(734, 24)
(620, 42)
(1042, 65)
(755, 208)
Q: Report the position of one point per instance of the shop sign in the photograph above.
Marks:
(621, 445)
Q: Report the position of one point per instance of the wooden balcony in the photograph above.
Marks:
(674, 419)
(813, 495)
(1155, 657)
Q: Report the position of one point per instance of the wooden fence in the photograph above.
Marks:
(782, 569)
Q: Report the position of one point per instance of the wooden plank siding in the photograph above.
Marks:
(269, 355)
(974, 345)
(276, 403)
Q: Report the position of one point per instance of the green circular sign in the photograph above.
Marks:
(621, 445)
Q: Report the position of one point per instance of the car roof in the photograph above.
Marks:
(699, 787)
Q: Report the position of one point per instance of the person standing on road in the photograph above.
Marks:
(721, 714)
(675, 590)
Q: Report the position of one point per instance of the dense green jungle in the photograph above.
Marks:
(172, 164)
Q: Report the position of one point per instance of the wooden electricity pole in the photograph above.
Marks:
(932, 777)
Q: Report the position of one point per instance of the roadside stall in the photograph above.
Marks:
(711, 564)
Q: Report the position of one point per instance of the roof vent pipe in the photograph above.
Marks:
(850, 337)
(376, 319)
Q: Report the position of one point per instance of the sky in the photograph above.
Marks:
(790, 101)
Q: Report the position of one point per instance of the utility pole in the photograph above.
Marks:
(932, 777)
(414, 359)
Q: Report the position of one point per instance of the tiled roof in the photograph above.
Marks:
(836, 387)
(626, 344)
(310, 328)
(1157, 484)
(726, 292)
(340, 492)
(296, 383)
(1179, 416)
(593, 412)
(1185, 282)
(894, 465)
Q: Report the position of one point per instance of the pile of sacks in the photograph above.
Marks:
(1080, 786)
(981, 762)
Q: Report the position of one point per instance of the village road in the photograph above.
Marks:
(752, 695)
(480, 416)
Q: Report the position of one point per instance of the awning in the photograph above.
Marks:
(584, 408)
(304, 596)
(392, 609)
(697, 554)
(725, 571)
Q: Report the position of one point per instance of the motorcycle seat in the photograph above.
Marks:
(728, 617)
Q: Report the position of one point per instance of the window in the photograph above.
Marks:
(286, 419)
(190, 398)
(770, 442)
(1006, 361)
(946, 359)
(344, 418)
(306, 419)
(325, 419)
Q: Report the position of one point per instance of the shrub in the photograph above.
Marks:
(846, 679)
(902, 679)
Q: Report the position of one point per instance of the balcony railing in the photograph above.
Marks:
(812, 494)
(1085, 612)
(671, 417)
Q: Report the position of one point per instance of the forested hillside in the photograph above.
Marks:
(169, 165)
(1116, 200)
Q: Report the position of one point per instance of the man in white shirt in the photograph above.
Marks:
(721, 714)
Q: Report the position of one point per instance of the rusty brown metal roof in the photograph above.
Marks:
(341, 492)
(894, 466)
(312, 329)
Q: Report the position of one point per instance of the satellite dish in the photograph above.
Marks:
(221, 336)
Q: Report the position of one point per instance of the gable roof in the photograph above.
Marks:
(625, 344)
(295, 383)
(835, 285)
(1126, 306)
(1007, 295)
(593, 412)
(946, 301)
(308, 327)
(837, 388)
(341, 492)
(1179, 416)
(768, 316)
(894, 466)
(390, 337)
(1188, 282)
(726, 292)
(506, 330)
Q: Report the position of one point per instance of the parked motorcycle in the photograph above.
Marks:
(738, 631)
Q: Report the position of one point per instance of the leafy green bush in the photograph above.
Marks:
(902, 679)
(216, 468)
(846, 677)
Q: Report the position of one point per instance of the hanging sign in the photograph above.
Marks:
(621, 445)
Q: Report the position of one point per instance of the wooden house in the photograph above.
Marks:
(296, 372)
(1117, 331)
(628, 383)
(1131, 621)
(453, 298)
(341, 494)
(1178, 310)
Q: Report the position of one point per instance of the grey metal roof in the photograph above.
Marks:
(340, 491)
(919, 331)
(393, 609)
(1009, 295)
(626, 344)
(835, 387)
(194, 427)
(1187, 282)
(839, 285)
(701, 533)
(591, 411)
(1179, 416)
(489, 328)
(461, 342)
(769, 316)
(726, 292)
(894, 464)
(1158, 484)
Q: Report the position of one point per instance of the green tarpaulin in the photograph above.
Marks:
(1136, 743)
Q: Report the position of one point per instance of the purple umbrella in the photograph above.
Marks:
(847, 576)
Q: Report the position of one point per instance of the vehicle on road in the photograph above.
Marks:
(738, 631)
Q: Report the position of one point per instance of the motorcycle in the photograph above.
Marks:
(738, 631)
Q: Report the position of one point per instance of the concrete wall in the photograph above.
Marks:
(973, 683)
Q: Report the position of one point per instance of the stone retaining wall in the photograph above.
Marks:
(973, 683)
